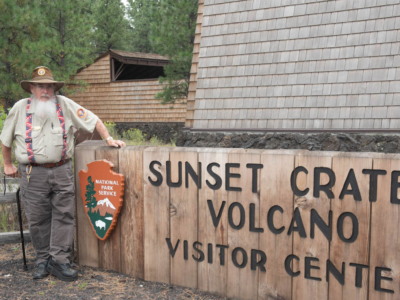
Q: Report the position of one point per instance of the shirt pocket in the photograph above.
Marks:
(38, 142)
(57, 137)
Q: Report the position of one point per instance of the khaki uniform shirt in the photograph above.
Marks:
(47, 134)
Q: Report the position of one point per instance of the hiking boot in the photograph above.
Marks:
(62, 271)
(40, 271)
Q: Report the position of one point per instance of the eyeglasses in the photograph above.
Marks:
(43, 87)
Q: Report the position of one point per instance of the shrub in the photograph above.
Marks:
(155, 141)
(134, 135)
(112, 130)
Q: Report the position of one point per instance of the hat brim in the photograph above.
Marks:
(25, 84)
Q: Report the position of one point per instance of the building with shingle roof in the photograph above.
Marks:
(296, 65)
(121, 88)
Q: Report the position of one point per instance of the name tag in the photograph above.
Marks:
(36, 128)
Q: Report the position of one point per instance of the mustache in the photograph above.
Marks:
(45, 96)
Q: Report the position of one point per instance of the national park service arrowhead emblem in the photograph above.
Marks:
(102, 192)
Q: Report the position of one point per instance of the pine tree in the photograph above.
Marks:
(173, 36)
(19, 34)
(111, 29)
(143, 13)
(89, 195)
(68, 30)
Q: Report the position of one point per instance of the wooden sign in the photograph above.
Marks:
(256, 224)
(102, 192)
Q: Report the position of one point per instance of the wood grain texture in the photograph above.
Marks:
(243, 282)
(154, 213)
(132, 216)
(14, 237)
(385, 234)
(183, 218)
(157, 217)
(8, 198)
(275, 190)
(88, 248)
(307, 247)
(110, 250)
(213, 276)
(358, 251)
(133, 101)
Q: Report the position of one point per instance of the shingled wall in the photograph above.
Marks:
(298, 64)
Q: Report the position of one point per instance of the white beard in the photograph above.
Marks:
(45, 109)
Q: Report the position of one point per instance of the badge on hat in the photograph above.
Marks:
(41, 72)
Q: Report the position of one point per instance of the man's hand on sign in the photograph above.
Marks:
(10, 170)
(101, 128)
(116, 143)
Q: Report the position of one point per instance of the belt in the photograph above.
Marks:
(51, 165)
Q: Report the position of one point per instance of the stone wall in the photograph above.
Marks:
(386, 143)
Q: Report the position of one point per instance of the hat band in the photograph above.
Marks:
(42, 78)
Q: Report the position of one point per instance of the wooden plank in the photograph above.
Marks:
(183, 220)
(87, 241)
(132, 243)
(317, 248)
(14, 237)
(243, 282)
(385, 234)
(212, 277)
(358, 251)
(8, 198)
(156, 216)
(109, 250)
(274, 283)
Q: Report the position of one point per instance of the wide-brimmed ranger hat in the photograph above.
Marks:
(41, 75)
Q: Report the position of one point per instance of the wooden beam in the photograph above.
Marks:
(8, 198)
(14, 237)
(112, 69)
(120, 70)
(144, 62)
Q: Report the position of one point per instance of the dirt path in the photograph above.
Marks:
(92, 283)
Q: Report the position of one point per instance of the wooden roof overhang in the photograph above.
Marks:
(136, 58)
(139, 60)
(119, 60)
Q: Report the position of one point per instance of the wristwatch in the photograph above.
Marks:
(110, 138)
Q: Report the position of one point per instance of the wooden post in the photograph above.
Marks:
(132, 222)
(357, 251)
(242, 281)
(110, 249)
(213, 276)
(385, 236)
(88, 249)
(275, 283)
(183, 217)
(312, 252)
(156, 216)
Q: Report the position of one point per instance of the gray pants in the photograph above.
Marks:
(48, 199)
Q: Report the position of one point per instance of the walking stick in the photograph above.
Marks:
(21, 230)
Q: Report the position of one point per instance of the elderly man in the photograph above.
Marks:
(42, 127)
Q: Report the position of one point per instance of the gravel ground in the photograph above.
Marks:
(92, 283)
